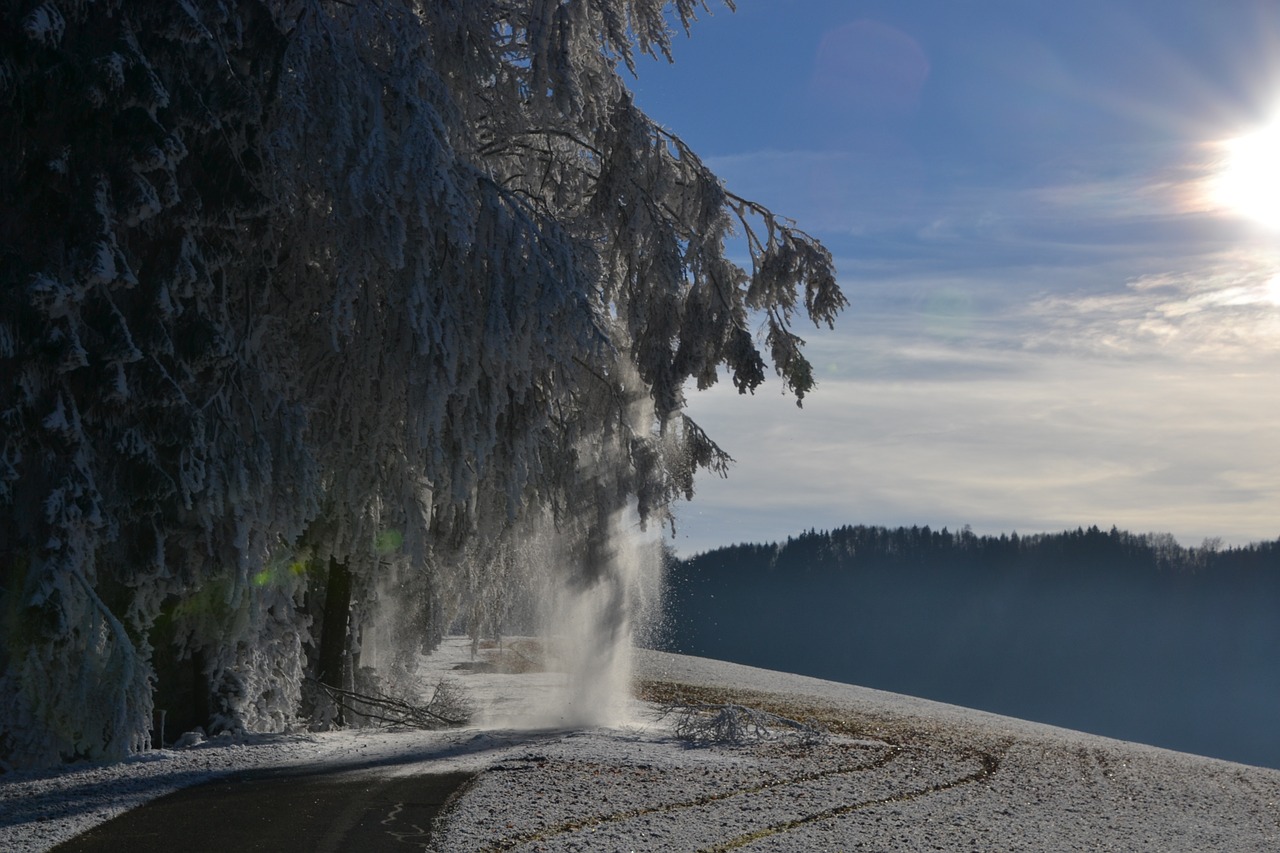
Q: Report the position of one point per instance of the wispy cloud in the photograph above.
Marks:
(893, 204)
(1227, 309)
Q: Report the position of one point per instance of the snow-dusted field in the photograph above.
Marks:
(897, 774)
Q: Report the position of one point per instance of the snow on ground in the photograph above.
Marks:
(896, 774)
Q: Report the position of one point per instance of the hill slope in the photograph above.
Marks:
(898, 773)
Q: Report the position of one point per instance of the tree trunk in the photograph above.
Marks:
(333, 628)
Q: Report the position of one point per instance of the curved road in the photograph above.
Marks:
(279, 812)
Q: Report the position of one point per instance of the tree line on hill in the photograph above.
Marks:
(853, 547)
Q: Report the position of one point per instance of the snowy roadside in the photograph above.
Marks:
(39, 810)
(898, 773)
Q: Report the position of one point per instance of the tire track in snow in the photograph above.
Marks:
(990, 765)
(891, 752)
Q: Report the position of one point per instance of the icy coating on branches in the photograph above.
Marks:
(311, 310)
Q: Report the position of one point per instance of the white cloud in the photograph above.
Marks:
(1223, 310)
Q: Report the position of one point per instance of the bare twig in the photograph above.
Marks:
(448, 707)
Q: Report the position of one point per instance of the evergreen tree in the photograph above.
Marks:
(300, 298)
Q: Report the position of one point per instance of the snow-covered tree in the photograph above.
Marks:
(300, 298)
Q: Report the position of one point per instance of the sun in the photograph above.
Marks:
(1249, 182)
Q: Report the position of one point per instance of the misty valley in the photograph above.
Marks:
(1131, 636)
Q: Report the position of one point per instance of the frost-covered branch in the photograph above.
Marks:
(736, 725)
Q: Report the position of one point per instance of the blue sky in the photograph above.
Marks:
(1058, 318)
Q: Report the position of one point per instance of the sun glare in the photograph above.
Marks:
(1273, 290)
(1249, 182)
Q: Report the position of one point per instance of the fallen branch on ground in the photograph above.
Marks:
(448, 706)
(715, 723)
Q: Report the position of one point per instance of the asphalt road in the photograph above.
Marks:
(306, 813)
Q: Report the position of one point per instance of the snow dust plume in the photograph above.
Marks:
(577, 672)
(590, 627)
(587, 571)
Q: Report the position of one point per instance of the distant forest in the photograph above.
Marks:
(1081, 550)
(1128, 635)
